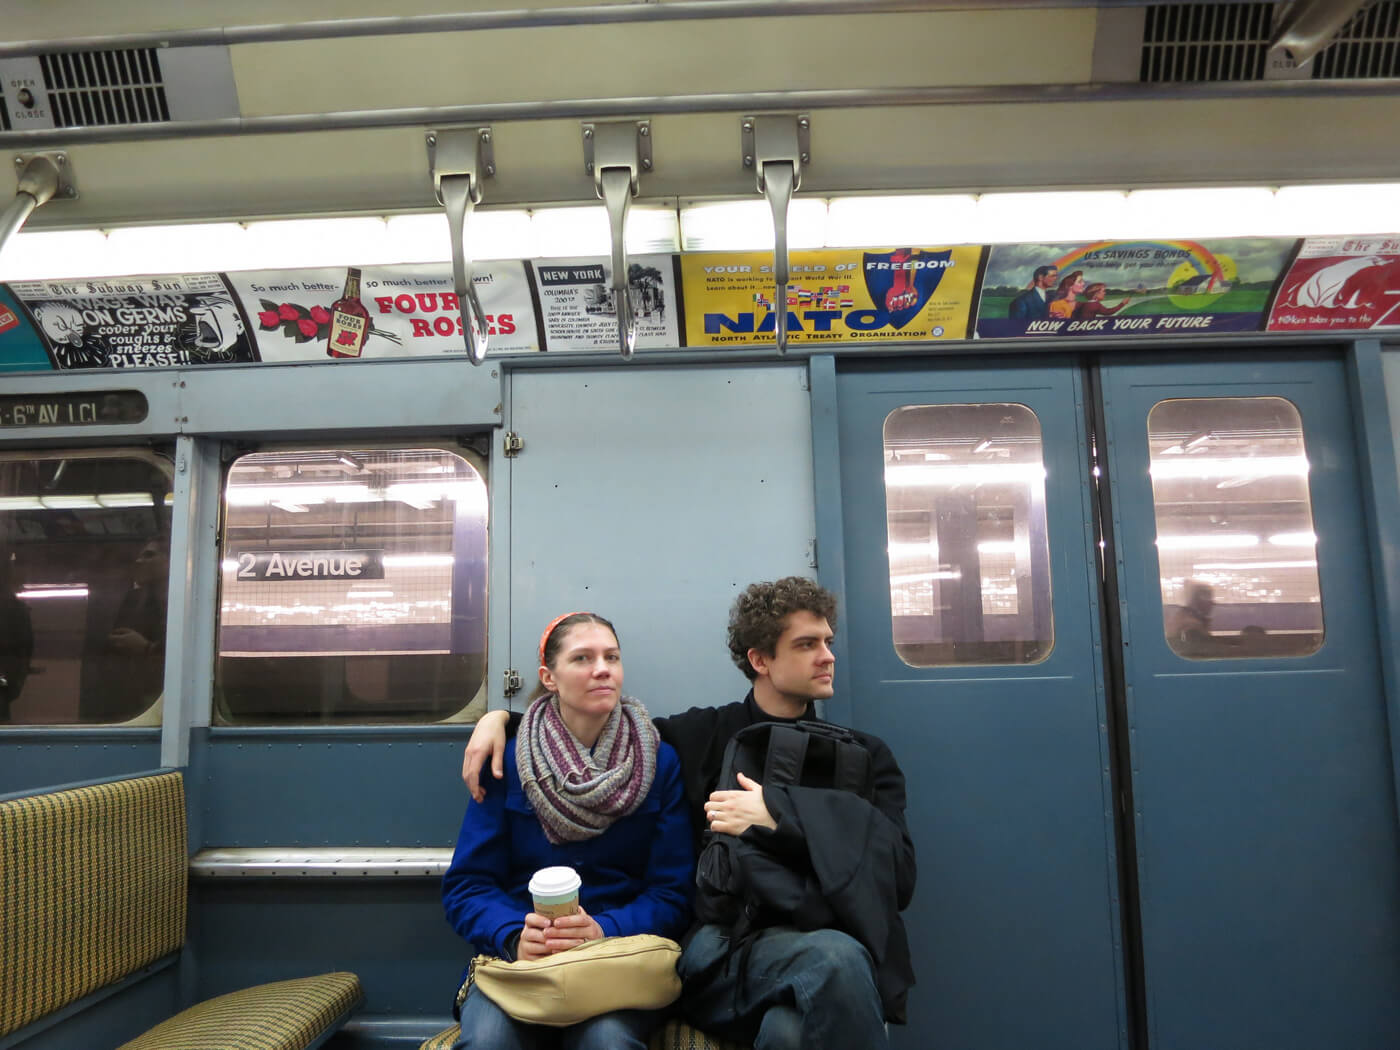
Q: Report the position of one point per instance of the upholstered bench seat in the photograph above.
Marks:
(283, 1015)
(674, 1035)
(93, 888)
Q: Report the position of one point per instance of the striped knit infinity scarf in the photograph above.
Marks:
(578, 793)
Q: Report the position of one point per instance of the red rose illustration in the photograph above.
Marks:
(288, 312)
(320, 315)
(269, 319)
(308, 327)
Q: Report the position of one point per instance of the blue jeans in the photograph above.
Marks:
(783, 989)
(485, 1026)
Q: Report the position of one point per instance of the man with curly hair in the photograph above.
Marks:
(782, 987)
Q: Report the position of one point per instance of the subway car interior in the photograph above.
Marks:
(341, 349)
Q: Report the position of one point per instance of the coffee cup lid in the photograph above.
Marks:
(550, 882)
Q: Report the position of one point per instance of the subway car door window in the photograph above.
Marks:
(968, 554)
(1235, 534)
(353, 587)
(84, 578)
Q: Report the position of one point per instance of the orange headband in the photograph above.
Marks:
(544, 638)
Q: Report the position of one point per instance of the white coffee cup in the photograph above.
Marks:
(555, 891)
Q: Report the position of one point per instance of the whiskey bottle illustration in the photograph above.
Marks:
(349, 320)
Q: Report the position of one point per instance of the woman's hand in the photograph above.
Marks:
(569, 931)
(542, 937)
(532, 939)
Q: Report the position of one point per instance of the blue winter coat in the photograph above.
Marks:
(638, 875)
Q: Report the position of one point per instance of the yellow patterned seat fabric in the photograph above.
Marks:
(674, 1035)
(92, 888)
(284, 1015)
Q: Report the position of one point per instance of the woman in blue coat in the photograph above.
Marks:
(588, 785)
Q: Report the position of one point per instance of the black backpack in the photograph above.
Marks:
(740, 886)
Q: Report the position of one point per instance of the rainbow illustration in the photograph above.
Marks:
(1201, 257)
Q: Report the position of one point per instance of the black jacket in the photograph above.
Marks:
(859, 852)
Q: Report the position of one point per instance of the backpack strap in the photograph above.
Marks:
(787, 751)
(853, 772)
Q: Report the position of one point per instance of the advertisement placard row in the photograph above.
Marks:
(835, 296)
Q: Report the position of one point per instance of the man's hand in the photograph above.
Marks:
(488, 741)
(569, 931)
(734, 812)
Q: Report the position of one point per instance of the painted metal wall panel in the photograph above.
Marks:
(652, 497)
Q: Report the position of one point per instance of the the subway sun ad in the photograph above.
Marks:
(833, 295)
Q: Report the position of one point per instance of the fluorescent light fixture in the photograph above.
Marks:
(503, 234)
(928, 474)
(1235, 211)
(1228, 566)
(860, 222)
(1322, 210)
(1026, 218)
(52, 255)
(124, 499)
(53, 592)
(1206, 541)
(69, 502)
(288, 506)
(1294, 539)
(564, 232)
(295, 243)
(1233, 467)
(1002, 547)
(747, 225)
(653, 231)
(20, 503)
(198, 247)
(228, 564)
(924, 577)
(258, 495)
(928, 549)
(417, 561)
(877, 221)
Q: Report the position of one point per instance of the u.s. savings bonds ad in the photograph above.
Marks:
(833, 295)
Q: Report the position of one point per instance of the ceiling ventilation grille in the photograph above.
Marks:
(93, 88)
(1206, 41)
(1366, 47)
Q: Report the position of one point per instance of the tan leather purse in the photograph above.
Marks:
(615, 973)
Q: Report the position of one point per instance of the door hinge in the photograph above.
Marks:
(512, 444)
(513, 682)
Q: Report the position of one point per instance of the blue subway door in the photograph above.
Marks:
(1261, 776)
(971, 634)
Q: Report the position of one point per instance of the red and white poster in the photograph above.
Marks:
(1340, 283)
(412, 310)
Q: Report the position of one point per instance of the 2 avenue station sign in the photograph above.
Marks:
(310, 565)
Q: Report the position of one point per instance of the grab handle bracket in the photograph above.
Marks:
(460, 159)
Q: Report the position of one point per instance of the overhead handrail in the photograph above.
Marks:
(614, 153)
(41, 178)
(459, 159)
(777, 147)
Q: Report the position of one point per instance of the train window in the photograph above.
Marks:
(965, 514)
(84, 582)
(353, 587)
(1235, 540)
